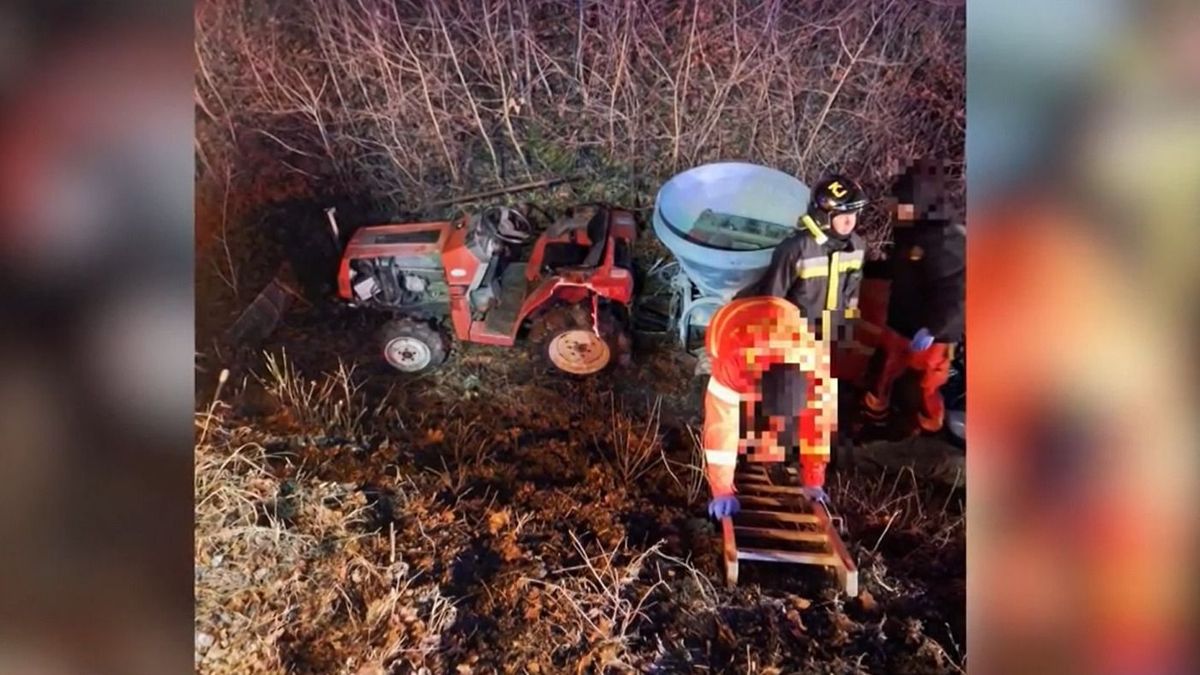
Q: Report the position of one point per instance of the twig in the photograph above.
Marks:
(579, 52)
(687, 64)
(957, 474)
(232, 281)
(289, 147)
(549, 182)
(437, 128)
(470, 97)
(505, 103)
(221, 379)
(812, 136)
(885, 531)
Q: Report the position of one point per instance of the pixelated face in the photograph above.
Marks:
(769, 444)
(844, 223)
(923, 195)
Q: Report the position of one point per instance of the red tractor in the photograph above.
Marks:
(569, 288)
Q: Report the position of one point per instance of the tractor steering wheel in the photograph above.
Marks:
(506, 224)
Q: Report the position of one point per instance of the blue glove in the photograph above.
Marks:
(816, 494)
(723, 507)
(922, 340)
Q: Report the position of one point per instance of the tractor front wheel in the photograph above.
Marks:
(412, 346)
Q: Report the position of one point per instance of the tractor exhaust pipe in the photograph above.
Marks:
(337, 237)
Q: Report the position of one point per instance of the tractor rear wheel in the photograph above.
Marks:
(578, 351)
(412, 346)
(573, 347)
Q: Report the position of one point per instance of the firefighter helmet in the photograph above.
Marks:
(833, 195)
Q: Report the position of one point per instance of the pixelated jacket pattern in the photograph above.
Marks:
(744, 339)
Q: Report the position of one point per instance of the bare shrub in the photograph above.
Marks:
(606, 600)
(414, 100)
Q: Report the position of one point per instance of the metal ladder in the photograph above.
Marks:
(777, 523)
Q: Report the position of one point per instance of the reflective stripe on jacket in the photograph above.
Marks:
(817, 273)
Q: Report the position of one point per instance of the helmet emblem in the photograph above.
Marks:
(837, 189)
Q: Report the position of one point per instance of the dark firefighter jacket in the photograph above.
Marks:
(815, 272)
(927, 268)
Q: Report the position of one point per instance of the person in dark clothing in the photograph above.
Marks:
(925, 307)
(819, 268)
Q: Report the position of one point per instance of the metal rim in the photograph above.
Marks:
(579, 352)
(408, 354)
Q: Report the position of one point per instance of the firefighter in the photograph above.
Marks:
(766, 365)
(925, 304)
(819, 268)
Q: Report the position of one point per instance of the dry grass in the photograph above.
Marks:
(902, 502)
(285, 559)
(281, 563)
(471, 450)
(694, 484)
(245, 557)
(634, 448)
(607, 598)
(605, 602)
(417, 100)
(901, 507)
(436, 613)
(334, 403)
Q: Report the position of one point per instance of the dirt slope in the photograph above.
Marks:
(497, 517)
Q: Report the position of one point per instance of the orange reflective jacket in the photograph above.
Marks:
(744, 339)
(748, 336)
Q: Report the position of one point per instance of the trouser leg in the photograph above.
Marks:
(935, 372)
(817, 426)
(896, 361)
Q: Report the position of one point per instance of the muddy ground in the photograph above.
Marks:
(496, 516)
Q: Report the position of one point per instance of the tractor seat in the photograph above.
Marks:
(563, 254)
(597, 232)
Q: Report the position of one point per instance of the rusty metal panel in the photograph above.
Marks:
(262, 315)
